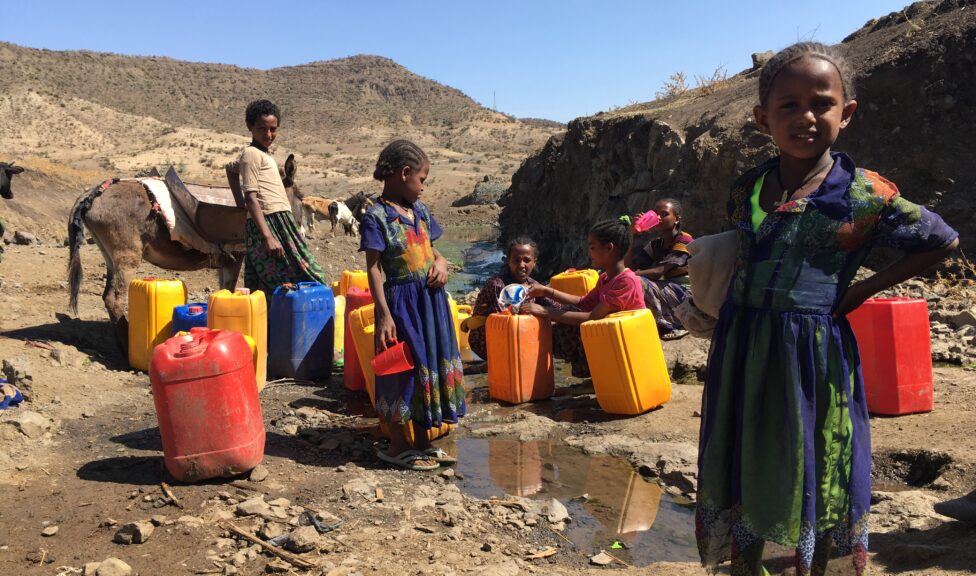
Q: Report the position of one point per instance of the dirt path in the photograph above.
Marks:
(92, 462)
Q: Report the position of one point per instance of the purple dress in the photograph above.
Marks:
(433, 392)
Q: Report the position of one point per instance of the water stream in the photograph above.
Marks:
(475, 249)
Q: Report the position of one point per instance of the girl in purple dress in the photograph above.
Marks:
(406, 277)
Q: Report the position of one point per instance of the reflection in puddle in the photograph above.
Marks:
(619, 505)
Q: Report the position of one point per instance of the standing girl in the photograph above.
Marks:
(785, 451)
(617, 289)
(276, 253)
(406, 277)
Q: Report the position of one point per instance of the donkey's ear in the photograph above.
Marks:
(15, 169)
(291, 166)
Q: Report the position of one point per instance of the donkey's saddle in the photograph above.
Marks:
(211, 209)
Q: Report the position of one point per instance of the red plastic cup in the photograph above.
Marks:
(647, 221)
(393, 360)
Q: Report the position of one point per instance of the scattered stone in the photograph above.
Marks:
(486, 547)
(31, 424)
(289, 429)
(601, 559)
(113, 567)
(555, 511)
(255, 505)
(49, 531)
(447, 473)
(192, 521)
(134, 533)
(90, 568)
(964, 318)
(22, 238)
(271, 530)
(303, 539)
(18, 373)
(277, 566)
(281, 502)
(259, 474)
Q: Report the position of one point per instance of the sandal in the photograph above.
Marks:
(407, 460)
(440, 456)
(676, 334)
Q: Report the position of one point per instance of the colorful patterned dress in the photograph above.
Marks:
(785, 453)
(663, 295)
(433, 392)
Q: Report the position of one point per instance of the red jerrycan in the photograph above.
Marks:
(352, 373)
(896, 354)
(207, 405)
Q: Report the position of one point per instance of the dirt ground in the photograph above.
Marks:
(93, 462)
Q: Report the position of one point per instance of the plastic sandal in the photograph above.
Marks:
(440, 456)
(407, 460)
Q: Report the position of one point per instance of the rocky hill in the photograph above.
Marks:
(915, 124)
(113, 115)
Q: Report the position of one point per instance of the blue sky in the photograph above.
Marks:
(546, 59)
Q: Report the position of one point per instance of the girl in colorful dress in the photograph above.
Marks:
(662, 266)
(785, 452)
(617, 289)
(276, 253)
(520, 260)
(406, 277)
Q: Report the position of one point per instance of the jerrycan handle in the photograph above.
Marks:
(254, 350)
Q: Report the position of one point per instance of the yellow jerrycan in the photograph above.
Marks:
(151, 303)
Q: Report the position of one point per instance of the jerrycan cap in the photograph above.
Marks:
(194, 347)
(195, 309)
(569, 270)
(149, 279)
(243, 291)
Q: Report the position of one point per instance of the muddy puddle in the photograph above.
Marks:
(475, 249)
(612, 507)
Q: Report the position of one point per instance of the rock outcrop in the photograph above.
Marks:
(916, 86)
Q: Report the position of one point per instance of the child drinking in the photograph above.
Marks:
(785, 451)
(520, 260)
(662, 265)
(617, 289)
(276, 253)
(406, 277)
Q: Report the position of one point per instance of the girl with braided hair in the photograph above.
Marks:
(406, 277)
(617, 289)
(784, 452)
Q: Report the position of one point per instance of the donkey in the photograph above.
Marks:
(126, 230)
(7, 172)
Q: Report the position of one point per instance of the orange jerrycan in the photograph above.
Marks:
(519, 358)
(151, 304)
(360, 329)
(515, 466)
(576, 282)
(353, 279)
(626, 362)
(896, 354)
(244, 312)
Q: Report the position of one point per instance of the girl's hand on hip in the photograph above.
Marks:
(437, 275)
(853, 297)
(385, 335)
(274, 247)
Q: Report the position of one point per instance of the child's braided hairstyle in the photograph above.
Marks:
(395, 156)
(614, 230)
(791, 54)
(521, 241)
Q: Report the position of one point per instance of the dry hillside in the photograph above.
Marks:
(112, 115)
